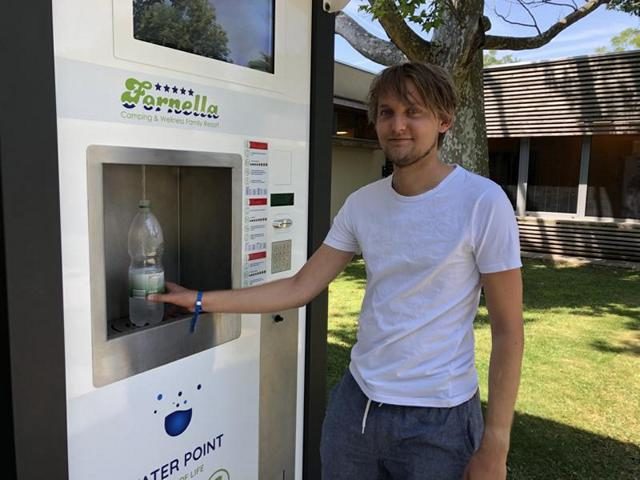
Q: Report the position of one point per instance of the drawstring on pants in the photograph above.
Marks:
(366, 413)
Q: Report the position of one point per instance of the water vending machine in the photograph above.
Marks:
(200, 113)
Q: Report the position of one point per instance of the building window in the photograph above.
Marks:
(554, 171)
(614, 177)
(504, 158)
(352, 123)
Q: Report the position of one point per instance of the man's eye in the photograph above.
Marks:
(413, 112)
(384, 113)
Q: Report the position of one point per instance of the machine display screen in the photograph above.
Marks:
(239, 32)
(281, 199)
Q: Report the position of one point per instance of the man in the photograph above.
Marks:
(431, 236)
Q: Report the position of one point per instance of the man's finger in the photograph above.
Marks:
(156, 297)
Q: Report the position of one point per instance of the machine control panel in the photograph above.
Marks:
(280, 256)
(282, 230)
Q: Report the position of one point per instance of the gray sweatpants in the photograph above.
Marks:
(362, 439)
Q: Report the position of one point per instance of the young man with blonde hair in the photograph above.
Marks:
(431, 235)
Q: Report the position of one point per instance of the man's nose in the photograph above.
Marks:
(399, 123)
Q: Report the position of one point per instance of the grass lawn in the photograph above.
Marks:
(578, 411)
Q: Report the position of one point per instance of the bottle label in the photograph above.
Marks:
(143, 284)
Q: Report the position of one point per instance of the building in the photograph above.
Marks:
(564, 144)
(356, 156)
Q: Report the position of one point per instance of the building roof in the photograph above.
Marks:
(351, 84)
(570, 96)
(588, 94)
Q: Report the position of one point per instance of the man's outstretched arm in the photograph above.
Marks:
(503, 295)
(325, 264)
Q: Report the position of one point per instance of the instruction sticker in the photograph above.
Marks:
(256, 194)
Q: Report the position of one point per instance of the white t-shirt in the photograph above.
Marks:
(423, 256)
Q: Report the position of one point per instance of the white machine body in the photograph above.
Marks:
(225, 154)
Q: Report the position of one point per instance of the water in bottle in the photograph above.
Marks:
(146, 274)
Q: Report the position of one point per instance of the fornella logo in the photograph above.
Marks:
(179, 411)
(174, 99)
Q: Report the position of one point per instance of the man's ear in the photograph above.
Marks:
(445, 123)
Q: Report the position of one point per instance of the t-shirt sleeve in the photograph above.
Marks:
(342, 235)
(496, 243)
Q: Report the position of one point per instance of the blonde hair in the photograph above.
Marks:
(434, 85)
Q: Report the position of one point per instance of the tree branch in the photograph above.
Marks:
(372, 47)
(412, 44)
(573, 5)
(533, 18)
(505, 19)
(494, 42)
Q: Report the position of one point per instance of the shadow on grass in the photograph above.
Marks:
(338, 361)
(546, 450)
(355, 272)
(349, 314)
(583, 291)
(625, 347)
(589, 290)
(343, 337)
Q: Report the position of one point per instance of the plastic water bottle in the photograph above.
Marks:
(146, 274)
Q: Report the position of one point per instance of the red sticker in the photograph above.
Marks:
(257, 255)
(259, 145)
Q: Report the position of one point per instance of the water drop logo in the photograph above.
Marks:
(176, 422)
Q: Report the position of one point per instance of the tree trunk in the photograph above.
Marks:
(466, 142)
(457, 46)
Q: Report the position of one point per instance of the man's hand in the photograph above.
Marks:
(485, 466)
(176, 295)
(323, 266)
(503, 294)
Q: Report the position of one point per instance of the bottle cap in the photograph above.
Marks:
(144, 204)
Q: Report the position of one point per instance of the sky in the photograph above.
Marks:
(581, 38)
